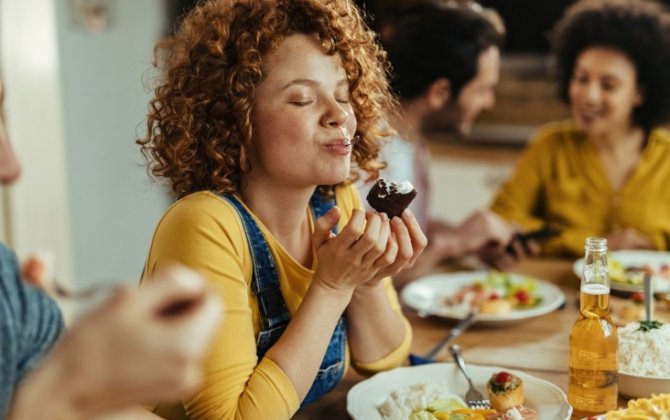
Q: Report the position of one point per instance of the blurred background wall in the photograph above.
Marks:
(75, 73)
(105, 104)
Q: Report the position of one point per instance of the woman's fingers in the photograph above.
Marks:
(400, 249)
(354, 229)
(406, 243)
(417, 237)
(324, 226)
(380, 239)
(368, 238)
(373, 246)
(390, 253)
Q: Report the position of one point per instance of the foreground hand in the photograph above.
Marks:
(141, 346)
(628, 238)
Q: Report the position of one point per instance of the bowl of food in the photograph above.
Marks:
(644, 359)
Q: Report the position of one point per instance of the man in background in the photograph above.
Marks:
(445, 59)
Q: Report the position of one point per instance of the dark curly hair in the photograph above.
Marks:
(640, 29)
(199, 126)
(431, 40)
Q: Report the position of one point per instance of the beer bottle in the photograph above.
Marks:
(592, 387)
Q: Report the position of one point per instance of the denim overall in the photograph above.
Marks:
(273, 311)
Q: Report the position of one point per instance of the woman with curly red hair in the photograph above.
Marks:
(263, 108)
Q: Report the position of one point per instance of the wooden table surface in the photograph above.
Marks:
(537, 346)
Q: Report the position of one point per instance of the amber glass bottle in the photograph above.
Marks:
(592, 388)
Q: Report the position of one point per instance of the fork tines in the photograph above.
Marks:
(479, 404)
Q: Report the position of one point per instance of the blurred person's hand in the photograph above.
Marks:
(141, 346)
(504, 256)
(628, 238)
(484, 228)
(37, 269)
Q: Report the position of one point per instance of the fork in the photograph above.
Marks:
(95, 290)
(473, 398)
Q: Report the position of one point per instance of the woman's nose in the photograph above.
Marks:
(335, 115)
(592, 92)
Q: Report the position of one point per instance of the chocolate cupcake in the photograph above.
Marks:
(390, 197)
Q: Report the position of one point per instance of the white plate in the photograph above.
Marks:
(427, 295)
(630, 258)
(364, 398)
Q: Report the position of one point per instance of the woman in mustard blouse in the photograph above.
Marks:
(263, 108)
(606, 172)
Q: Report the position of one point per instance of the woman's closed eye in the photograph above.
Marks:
(302, 101)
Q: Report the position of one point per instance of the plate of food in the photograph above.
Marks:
(429, 391)
(499, 298)
(627, 269)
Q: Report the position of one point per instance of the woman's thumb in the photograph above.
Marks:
(324, 226)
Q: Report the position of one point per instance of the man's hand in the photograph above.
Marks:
(141, 346)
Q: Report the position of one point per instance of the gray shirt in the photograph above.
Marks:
(30, 322)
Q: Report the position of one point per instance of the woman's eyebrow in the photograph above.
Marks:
(304, 82)
(311, 82)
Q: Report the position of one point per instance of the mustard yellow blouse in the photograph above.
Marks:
(203, 231)
(560, 180)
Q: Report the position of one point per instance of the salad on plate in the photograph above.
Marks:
(497, 293)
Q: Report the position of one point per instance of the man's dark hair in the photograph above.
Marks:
(431, 41)
(639, 29)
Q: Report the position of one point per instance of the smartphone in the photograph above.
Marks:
(545, 232)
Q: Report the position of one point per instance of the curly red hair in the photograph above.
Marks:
(199, 126)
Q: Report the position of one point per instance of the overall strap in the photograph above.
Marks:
(274, 314)
(265, 279)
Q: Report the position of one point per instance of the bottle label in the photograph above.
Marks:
(593, 390)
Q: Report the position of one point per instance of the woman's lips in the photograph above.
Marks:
(588, 116)
(338, 147)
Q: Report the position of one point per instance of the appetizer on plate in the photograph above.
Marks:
(507, 397)
(498, 293)
(633, 274)
(505, 391)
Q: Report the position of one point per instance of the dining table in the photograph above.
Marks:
(537, 346)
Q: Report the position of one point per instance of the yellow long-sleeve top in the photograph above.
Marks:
(204, 232)
(560, 180)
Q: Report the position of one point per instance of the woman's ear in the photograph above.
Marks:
(438, 94)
